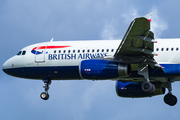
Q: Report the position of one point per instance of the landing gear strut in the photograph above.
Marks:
(45, 95)
(169, 98)
(146, 86)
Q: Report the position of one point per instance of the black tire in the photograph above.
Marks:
(148, 87)
(170, 99)
(44, 96)
(153, 89)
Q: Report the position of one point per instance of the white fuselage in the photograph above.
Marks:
(71, 53)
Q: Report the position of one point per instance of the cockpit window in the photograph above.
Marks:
(19, 53)
(24, 52)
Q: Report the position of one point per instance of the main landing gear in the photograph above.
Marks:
(146, 86)
(45, 95)
(169, 98)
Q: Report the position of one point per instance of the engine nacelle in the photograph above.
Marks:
(133, 89)
(103, 69)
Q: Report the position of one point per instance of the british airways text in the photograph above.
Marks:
(75, 56)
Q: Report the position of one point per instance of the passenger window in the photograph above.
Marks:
(157, 49)
(167, 49)
(19, 53)
(112, 50)
(73, 51)
(64, 51)
(162, 49)
(172, 49)
(87, 50)
(69, 51)
(93, 50)
(97, 50)
(24, 52)
(59, 51)
(54, 51)
(78, 51)
(102, 50)
(107, 50)
(83, 51)
(177, 49)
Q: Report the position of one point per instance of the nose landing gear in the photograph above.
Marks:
(45, 95)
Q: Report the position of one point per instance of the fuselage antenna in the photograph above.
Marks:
(52, 40)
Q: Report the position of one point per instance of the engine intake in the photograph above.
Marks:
(103, 69)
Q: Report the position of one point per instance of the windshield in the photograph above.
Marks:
(24, 52)
(19, 53)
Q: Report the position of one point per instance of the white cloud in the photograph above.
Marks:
(109, 31)
(130, 15)
(158, 25)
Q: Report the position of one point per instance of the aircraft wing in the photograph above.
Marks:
(137, 46)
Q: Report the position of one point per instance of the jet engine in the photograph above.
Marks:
(134, 90)
(103, 69)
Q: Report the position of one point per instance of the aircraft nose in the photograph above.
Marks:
(9, 66)
(4, 66)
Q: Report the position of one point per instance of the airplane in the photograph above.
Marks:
(141, 65)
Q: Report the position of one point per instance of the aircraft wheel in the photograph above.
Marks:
(44, 96)
(170, 99)
(153, 89)
(148, 87)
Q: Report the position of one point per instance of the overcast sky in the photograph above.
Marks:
(27, 22)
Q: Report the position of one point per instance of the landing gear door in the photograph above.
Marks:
(40, 53)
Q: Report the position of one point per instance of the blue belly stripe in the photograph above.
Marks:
(54, 73)
(72, 72)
